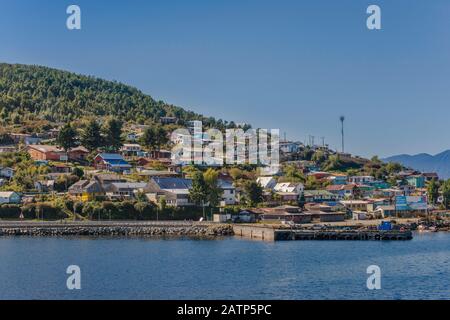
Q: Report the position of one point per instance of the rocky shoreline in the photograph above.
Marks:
(193, 230)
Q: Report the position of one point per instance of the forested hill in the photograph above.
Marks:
(61, 96)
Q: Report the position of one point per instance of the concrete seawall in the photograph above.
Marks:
(254, 232)
(272, 233)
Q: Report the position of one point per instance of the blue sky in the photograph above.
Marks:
(293, 65)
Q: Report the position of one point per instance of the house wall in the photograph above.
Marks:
(38, 155)
(229, 197)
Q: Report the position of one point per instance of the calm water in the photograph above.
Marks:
(34, 268)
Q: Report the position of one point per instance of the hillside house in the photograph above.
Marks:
(175, 191)
(131, 150)
(417, 181)
(342, 191)
(111, 162)
(106, 179)
(8, 149)
(266, 182)
(356, 205)
(85, 190)
(361, 179)
(6, 172)
(125, 190)
(9, 197)
(168, 120)
(319, 196)
(338, 179)
(47, 153)
(78, 154)
(228, 193)
(430, 176)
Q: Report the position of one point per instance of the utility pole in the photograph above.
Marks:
(342, 118)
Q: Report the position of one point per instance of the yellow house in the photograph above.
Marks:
(85, 190)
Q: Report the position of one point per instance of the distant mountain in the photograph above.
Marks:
(424, 162)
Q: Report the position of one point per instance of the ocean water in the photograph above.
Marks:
(229, 268)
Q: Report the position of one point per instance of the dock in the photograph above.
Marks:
(272, 233)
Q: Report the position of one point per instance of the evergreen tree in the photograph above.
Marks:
(214, 192)
(446, 194)
(198, 191)
(91, 138)
(254, 193)
(301, 201)
(154, 137)
(67, 137)
(433, 191)
(113, 135)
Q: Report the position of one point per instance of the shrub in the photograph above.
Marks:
(9, 211)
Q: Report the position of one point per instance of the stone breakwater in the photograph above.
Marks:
(157, 230)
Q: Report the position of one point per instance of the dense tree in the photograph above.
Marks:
(113, 135)
(292, 174)
(446, 194)
(79, 172)
(301, 201)
(198, 192)
(214, 192)
(433, 191)
(67, 137)
(394, 167)
(154, 137)
(91, 138)
(61, 96)
(253, 193)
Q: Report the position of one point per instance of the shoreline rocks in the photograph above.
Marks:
(194, 230)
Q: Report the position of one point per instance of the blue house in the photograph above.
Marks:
(111, 162)
(416, 181)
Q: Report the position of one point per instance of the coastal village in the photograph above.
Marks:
(75, 148)
(56, 175)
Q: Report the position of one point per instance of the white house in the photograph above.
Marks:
(228, 193)
(175, 191)
(266, 182)
(6, 172)
(289, 187)
(9, 197)
(131, 150)
(361, 179)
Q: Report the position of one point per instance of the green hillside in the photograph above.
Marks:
(61, 96)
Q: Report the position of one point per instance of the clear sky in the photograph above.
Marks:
(293, 65)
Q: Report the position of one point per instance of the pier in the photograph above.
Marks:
(269, 233)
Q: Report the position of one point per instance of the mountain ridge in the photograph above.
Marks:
(439, 163)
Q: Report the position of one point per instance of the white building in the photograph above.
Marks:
(228, 193)
(266, 182)
(9, 197)
(289, 187)
(361, 179)
(131, 150)
(6, 172)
